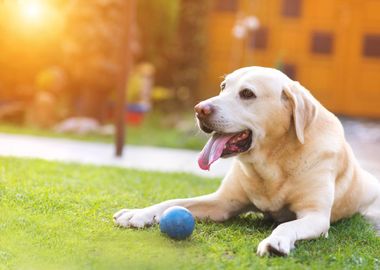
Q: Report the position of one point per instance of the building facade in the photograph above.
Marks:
(332, 47)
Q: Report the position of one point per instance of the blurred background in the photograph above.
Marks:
(63, 64)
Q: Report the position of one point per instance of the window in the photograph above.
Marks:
(322, 42)
(291, 8)
(226, 5)
(259, 39)
(290, 70)
(371, 45)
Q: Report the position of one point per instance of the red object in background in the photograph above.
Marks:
(134, 118)
(134, 113)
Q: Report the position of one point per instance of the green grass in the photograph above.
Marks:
(157, 129)
(58, 216)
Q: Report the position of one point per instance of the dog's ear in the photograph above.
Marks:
(304, 108)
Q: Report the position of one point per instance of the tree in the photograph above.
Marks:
(191, 45)
(92, 47)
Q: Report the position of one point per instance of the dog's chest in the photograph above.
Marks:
(265, 186)
(266, 202)
(267, 197)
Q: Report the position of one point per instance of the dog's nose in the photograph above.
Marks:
(203, 109)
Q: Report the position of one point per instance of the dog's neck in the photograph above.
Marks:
(262, 159)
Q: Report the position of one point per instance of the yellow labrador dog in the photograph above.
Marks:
(292, 162)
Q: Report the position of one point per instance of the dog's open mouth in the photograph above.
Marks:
(224, 145)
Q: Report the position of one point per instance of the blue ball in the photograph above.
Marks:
(177, 222)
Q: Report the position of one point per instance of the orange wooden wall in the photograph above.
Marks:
(332, 47)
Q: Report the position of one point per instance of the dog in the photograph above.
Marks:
(291, 162)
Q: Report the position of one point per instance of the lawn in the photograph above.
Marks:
(59, 216)
(157, 129)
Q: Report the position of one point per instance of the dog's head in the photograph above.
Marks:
(255, 104)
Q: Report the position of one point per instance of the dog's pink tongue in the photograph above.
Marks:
(213, 150)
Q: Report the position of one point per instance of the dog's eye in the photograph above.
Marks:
(222, 86)
(247, 94)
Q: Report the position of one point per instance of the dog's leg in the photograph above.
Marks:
(372, 212)
(212, 206)
(283, 238)
(371, 208)
(313, 220)
(373, 215)
(227, 201)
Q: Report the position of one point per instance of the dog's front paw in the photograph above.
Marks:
(137, 218)
(276, 245)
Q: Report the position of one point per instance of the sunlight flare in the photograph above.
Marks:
(32, 10)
